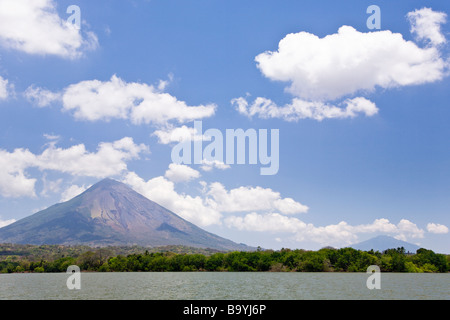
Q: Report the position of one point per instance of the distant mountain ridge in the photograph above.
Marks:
(111, 214)
(381, 243)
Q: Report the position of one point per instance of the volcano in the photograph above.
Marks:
(111, 214)
(381, 243)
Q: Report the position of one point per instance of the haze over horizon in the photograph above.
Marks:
(362, 114)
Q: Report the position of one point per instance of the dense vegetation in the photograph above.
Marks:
(48, 258)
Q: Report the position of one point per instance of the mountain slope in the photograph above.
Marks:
(111, 213)
(382, 243)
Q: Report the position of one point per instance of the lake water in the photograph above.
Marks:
(224, 286)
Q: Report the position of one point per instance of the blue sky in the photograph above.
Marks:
(362, 114)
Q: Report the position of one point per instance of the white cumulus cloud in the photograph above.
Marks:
(4, 223)
(34, 27)
(71, 192)
(245, 199)
(14, 181)
(110, 159)
(95, 100)
(329, 76)
(41, 97)
(171, 134)
(162, 191)
(141, 103)
(269, 222)
(208, 165)
(301, 109)
(4, 88)
(340, 234)
(348, 62)
(426, 24)
(181, 173)
(437, 228)
(215, 200)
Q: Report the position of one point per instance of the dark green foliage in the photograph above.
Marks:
(24, 258)
(215, 262)
(424, 257)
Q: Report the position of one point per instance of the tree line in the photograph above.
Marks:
(323, 260)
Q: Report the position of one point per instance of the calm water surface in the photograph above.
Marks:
(224, 285)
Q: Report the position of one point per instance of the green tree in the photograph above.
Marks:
(89, 261)
(346, 258)
(215, 262)
(428, 267)
(118, 263)
(411, 267)
(425, 256)
(176, 262)
(39, 269)
(312, 262)
(398, 259)
(159, 263)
